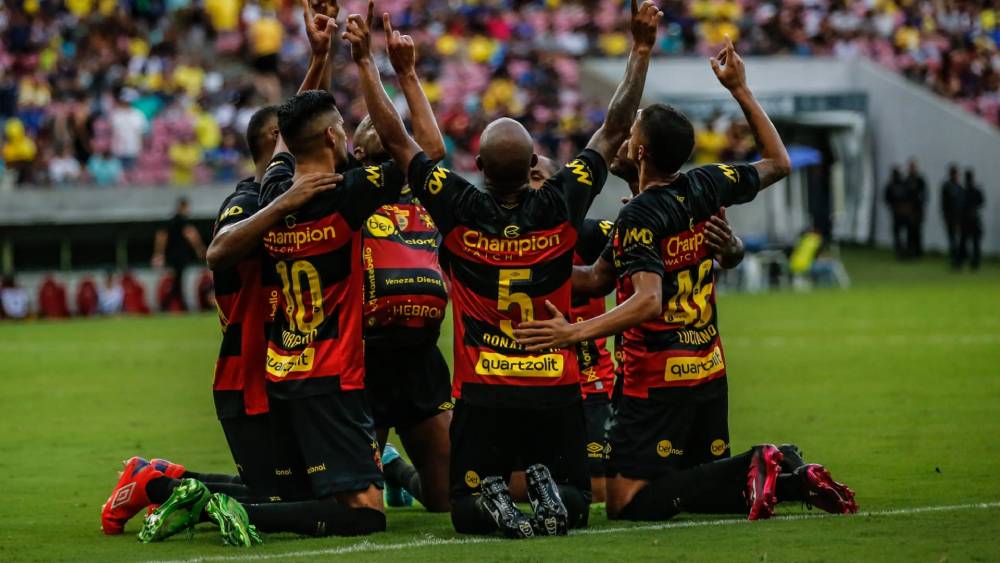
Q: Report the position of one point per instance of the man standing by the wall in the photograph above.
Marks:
(916, 195)
(952, 197)
(971, 224)
(176, 246)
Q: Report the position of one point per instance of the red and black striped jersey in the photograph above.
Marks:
(316, 342)
(504, 261)
(597, 371)
(662, 231)
(246, 302)
(405, 290)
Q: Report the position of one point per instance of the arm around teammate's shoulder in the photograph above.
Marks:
(731, 72)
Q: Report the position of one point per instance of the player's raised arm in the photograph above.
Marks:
(729, 69)
(625, 102)
(403, 56)
(238, 236)
(330, 9)
(389, 126)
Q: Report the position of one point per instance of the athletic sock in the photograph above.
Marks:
(158, 490)
(208, 478)
(789, 488)
(714, 488)
(315, 518)
(399, 473)
(577, 505)
(468, 518)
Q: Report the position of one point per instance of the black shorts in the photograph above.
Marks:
(597, 414)
(406, 384)
(250, 441)
(333, 440)
(489, 441)
(671, 430)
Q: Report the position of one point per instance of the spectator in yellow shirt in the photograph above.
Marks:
(185, 155)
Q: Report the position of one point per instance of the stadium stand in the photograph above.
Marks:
(187, 93)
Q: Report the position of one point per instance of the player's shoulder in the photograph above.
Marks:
(719, 174)
(598, 228)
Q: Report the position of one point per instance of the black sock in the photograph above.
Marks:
(789, 488)
(577, 505)
(208, 478)
(468, 518)
(714, 488)
(158, 490)
(399, 473)
(315, 518)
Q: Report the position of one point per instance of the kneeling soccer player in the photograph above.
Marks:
(671, 422)
(507, 249)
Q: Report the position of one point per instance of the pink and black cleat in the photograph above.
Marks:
(762, 481)
(824, 493)
(169, 468)
(129, 495)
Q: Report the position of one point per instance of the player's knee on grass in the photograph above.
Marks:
(467, 518)
(577, 504)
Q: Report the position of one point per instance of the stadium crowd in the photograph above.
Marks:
(159, 92)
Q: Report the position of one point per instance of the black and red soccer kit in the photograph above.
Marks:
(504, 261)
(597, 370)
(674, 410)
(315, 352)
(405, 297)
(246, 300)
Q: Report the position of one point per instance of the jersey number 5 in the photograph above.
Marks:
(690, 306)
(295, 301)
(505, 299)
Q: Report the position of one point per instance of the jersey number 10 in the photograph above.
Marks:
(295, 302)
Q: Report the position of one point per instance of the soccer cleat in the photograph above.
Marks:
(496, 501)
(824, 493)
(792, 459)
(178, 513)
(129, 495)
(395, 495)
(550, 513)
(762, 480)
(169, 468)
(234, 524)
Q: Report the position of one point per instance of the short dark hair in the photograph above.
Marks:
(297, 118)
(669, 136)
(255, 129)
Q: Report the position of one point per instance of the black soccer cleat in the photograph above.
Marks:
(793, 458)
(551, 516)
(496, 501)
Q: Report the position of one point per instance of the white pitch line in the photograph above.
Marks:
(368, 546)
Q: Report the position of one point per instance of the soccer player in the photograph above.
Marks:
(406, 376)
(669, 439)
(507, 249)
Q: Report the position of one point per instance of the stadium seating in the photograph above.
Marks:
(478, 60)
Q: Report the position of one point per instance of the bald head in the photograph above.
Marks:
(506, 154)
(541, 171)
(368, 146)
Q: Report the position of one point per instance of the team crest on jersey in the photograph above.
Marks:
(402, 218)
(512, 231)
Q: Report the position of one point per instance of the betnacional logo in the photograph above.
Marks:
(476, 240)
(280, 365)
(665, 449)
(689, 368)
(380, 226)
(498, 365)
(718, 447)
(472, 479)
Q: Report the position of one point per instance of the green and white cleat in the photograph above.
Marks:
(180, 512)
(234, 524)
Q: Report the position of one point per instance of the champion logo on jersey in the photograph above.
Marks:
(512, 231)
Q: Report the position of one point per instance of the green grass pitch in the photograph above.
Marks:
(894, 385)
